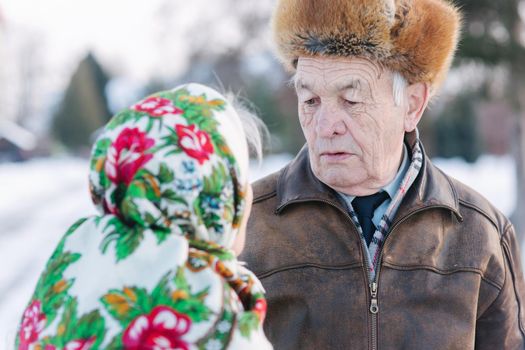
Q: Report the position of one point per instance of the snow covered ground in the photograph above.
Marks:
(40, 199)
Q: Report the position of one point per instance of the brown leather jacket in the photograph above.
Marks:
(450, 274)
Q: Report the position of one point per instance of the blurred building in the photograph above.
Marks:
(16, 143)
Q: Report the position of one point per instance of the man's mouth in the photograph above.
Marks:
(335, 156)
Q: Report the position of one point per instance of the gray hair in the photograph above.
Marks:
(399, 85)
(254, 128)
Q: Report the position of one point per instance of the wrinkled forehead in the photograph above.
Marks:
(333, 74)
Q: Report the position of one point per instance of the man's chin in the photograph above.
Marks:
(337, 179)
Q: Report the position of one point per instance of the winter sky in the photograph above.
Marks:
(112, 29)
(126, 34)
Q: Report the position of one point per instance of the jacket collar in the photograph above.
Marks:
(431, 188)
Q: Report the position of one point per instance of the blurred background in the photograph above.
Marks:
(66, 66)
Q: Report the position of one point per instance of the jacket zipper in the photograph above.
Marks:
(374, 307)
(373, 284)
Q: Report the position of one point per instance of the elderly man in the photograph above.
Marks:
(361, 242)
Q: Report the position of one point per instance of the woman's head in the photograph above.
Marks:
(175, 162)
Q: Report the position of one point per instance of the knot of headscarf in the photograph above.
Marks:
(175, 163)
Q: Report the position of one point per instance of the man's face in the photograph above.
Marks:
(351, 123)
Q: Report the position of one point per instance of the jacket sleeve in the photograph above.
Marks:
(502, 325)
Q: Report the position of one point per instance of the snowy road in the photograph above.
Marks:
(40, 199)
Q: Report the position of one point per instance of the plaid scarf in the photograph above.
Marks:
(381, 232)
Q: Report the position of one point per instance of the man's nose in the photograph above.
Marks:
(330, 122)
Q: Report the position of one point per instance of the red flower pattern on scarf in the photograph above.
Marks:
(157, 107)
(80, 344)
(161, 329)
(33, 322)
(127, 155)
(260, 308)
(196, 143)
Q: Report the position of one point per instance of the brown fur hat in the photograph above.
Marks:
(416, 38)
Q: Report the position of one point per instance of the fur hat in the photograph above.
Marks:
(416, 38)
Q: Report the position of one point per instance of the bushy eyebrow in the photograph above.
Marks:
(299, 84)
(352, 84)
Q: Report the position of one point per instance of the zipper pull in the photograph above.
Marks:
(374, 307)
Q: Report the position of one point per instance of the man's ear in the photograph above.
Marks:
(418, 95)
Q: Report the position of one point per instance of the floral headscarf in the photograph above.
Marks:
(155, 270)
(174, 162)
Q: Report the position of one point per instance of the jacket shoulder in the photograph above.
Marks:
(486, 226)
(266, 187)
(504, 268)
(472, 202)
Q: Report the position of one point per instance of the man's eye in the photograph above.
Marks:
(311, 102)
(351, 103)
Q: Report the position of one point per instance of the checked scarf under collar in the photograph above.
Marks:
(381, 232)
(155, 270)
